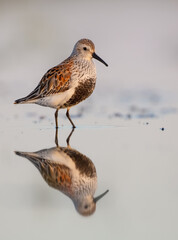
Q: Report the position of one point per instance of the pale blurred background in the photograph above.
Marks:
(138, 39)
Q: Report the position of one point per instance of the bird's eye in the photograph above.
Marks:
(84, 48)
(86, 206)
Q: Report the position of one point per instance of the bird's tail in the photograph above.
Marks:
(20, 101)
(22, 154)
(30, 98)
(31, 156)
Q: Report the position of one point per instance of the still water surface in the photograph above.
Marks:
(134, 159)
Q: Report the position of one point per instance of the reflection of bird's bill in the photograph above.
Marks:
(100, 196)
(99, 59)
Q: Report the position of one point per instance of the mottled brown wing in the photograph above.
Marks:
(57, 176)
(55, 80)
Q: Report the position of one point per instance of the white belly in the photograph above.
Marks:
(56, 100)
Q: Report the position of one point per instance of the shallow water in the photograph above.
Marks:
(135, 158)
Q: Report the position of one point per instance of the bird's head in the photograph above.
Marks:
(85, 48)
(87, 205)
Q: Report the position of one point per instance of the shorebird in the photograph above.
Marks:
(70, 172)
(68, 83)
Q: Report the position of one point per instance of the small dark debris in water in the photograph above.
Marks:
(162, 129)
(117, 114)
(148, 115)
(140, 115)
(136, 109)
(42, 117)
(129, 116)
(120, 115)
(144, 123)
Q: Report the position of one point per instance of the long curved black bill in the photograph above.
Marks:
(100, 196)
(99, 59)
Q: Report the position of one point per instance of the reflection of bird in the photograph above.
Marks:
(69, 171)
(68, 83)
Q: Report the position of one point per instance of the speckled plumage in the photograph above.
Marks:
(68, 83)
(69, 171)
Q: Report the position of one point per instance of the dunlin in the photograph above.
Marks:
(70, 172)
(68, 83)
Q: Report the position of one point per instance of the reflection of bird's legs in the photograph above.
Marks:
(68, 116)
(56, 118)
(68, 139)
(56, 137)
(56, 134)
(56, 121)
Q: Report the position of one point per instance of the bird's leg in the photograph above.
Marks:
(68, 139)
(56, 118)
(68, 116)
